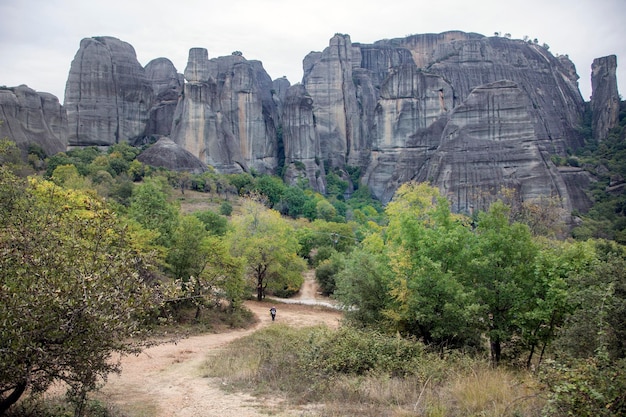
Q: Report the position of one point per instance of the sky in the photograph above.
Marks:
(39, 38)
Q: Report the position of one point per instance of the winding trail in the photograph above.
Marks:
(166, 380)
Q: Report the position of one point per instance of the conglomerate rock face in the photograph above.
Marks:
(227, 116)
(29, 117)
(468, 113)
(301, 140)
(167, 86)
(107, 95)
(395, 109)
(605, 98)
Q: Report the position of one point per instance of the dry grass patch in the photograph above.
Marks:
(378, 376)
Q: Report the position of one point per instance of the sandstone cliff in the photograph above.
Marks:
(468, 113)
(167, 86)
(107, 95)
(605, 97)
(401, 108)
(227, 116)
(29, 117)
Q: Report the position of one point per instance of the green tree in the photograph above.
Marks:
(73, 290)
(598, 297)
(272, 188)
(502, 271)
(213, 222)
(363, 285)
(204, 267)
(428, 249)
(549, 302)
(150, 207)
(268, 246)
(292, 202)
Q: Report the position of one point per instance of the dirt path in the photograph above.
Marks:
(165, 380)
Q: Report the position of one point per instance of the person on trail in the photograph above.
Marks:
(273, 312)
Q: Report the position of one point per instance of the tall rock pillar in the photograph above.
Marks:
(330, 83)
(604, 96)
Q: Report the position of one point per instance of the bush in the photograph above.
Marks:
(226, 209)
(355, 352)
(585, 388)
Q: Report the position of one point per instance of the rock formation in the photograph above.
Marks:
(604, 97)
(391, 107)
(468, 113)
(167, 86)
(107, 95)
(302, 145)
(166, 154)
(32, 118)
(227, 116)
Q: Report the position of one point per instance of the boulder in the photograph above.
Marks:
(166, 154)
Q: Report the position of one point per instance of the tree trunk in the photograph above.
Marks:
(496, 351)
(259, 291)
(530, 356)
(13, 397)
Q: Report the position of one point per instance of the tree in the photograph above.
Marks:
(269, 247)
(151, 208)
(203, 266)
(73, 290)
(428, 250)
(502, 271)
(214, 223)
(362, 286)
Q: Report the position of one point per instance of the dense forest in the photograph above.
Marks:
(100, 251)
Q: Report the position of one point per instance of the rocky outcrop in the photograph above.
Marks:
(604, 97)
(107, 95)
(328, 80)
(167, 86)
(390, 107)
(301, 141)
(489, 142)
(32, 118)
(466, 112)
(227, 115)
(166, 154)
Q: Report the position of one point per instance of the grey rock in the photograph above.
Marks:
(328, 80)
(107, 95)
(391, 107)
(279, 92)
(301, 141)
(605, 99)
(227, 116)
(166, 154)
(33, 118)
(490, 142)
(167, 86)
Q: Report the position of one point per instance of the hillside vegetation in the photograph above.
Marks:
(101, 251)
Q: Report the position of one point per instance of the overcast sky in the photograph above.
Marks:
(39, 38)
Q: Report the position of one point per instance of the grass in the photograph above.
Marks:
(299, 365)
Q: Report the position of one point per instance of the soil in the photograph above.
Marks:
(166, 381)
